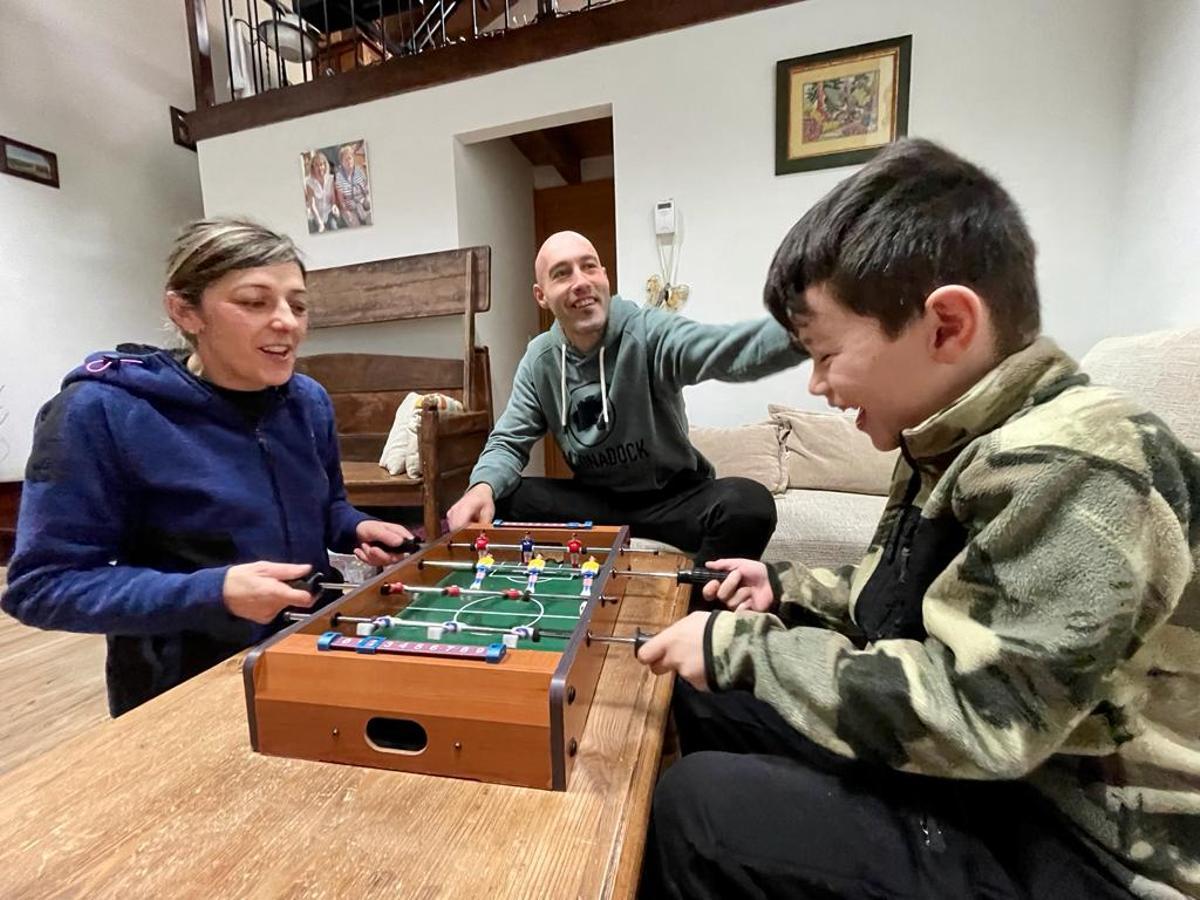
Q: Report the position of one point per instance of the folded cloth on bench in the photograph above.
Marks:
(401, 453)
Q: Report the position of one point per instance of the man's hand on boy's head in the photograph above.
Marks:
(679, 648)
(747, 585)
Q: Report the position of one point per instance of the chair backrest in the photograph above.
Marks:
(366, 390)
(1161, 369)
(427, 285)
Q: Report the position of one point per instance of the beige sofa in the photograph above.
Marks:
(829, 482)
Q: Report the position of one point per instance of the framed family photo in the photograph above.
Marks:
(27, 161)
(337, 187)
(839, 108)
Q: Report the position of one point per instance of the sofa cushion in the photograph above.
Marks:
(823, 528)
(749, 451)
(826, 452)
(1161, 369)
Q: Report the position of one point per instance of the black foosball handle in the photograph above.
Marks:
(700, 576)
(410, 545)
(310, 583)
(640, 637)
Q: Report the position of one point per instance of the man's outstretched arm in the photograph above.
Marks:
(688, 352)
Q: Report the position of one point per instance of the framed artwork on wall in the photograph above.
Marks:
(337, 187)
(26, 161)
(840, 107)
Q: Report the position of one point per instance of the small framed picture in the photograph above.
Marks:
(27, 161)
(839, 108)
(337, 187)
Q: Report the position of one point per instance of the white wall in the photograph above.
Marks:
(81, 268)
(1039, 93)
(1159, 251)
(495, 207)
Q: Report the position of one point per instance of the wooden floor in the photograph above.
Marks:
(53, 688)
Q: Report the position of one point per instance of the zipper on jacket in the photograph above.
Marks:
(906, 509)
(932, 832)
(270, 464)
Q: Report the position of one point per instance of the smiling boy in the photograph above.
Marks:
(998, 700)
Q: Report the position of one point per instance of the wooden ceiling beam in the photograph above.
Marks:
(532, 43)
(552, 146)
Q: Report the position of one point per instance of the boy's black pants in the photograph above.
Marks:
(754, 809)
(708, 518)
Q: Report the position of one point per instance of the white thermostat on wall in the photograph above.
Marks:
(664, 217)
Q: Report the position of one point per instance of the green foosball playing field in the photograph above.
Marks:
(553, 606)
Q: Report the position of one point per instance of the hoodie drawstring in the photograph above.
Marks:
(96, 366)
(603, 390)
(562, 387)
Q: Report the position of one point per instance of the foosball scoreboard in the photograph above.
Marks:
(476, 657)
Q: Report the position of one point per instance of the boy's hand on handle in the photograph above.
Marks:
(258, 591)
(746, 587)
(476, 505)
(375, 535)
(680, 649)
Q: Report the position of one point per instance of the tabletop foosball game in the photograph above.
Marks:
(476, 657)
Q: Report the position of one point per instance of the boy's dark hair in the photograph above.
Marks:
(913, 219)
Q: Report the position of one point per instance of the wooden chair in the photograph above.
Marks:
(366, 389)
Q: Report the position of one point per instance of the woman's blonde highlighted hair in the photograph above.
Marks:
(208, 249)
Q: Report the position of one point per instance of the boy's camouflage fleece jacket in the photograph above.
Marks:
(1029, 608)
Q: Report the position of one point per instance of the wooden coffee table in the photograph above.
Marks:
(169, 800)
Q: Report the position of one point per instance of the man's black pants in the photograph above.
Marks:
(754, 809)
(708, 518)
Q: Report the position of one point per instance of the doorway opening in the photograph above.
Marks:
(574, 190)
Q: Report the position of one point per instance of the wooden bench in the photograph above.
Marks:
(366, 390)
(10, 502)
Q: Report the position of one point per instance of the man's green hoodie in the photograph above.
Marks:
(617, 411)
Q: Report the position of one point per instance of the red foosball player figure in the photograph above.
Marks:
(526, 548)
(535, 569)
(574, 549)
(588, 570)
(481, 544)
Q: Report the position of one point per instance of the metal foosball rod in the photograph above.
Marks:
(314, 585)
(681, 576)
(529, 632)
(335, 620)
(635, 640)
(464, 545)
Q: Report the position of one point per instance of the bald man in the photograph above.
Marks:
(607, 381)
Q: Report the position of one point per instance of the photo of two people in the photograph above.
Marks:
(337, 190)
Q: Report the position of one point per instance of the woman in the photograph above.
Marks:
(170, 496)
(350, 181)
(320, 195)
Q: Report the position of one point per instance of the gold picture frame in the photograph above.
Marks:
(840, 107)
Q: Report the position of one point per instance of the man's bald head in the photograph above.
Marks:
(572, 284)
(561, 245)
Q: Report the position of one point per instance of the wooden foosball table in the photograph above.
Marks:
(477, 657)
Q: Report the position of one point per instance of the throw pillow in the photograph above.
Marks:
(825, 452)
(749, 451)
